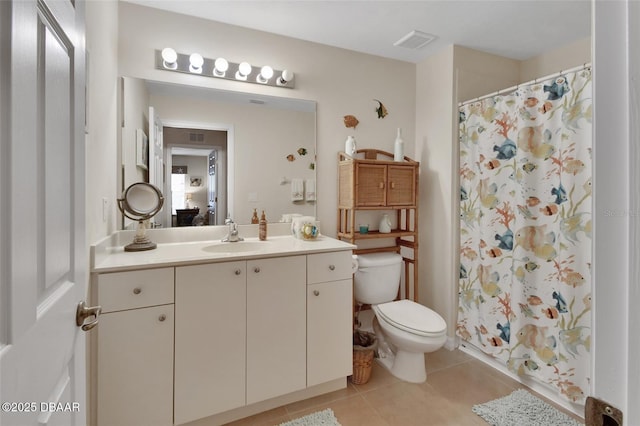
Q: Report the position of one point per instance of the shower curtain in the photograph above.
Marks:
(525, 230)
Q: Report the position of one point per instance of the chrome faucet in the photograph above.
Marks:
(232, 236)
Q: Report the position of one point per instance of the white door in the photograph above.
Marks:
(156, 158)
(43, 265)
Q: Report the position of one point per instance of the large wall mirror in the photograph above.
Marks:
(215, 154)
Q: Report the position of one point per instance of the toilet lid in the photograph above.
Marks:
(412, 317)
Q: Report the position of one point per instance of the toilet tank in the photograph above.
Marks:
(377, 278)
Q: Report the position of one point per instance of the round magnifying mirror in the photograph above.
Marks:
(140, 202)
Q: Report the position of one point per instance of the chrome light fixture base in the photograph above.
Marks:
(182, 64)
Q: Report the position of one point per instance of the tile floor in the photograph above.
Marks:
(455, 382)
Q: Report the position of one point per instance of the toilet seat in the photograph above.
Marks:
(412, 318)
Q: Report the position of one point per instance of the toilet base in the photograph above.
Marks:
(407, 366)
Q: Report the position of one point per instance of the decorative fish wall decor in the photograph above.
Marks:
(381, 110)
(350, 121)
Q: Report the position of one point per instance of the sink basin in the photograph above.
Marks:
(237, 247)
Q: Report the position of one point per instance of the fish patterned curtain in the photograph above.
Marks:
(525, 230)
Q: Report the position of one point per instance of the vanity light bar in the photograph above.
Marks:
(220, 68)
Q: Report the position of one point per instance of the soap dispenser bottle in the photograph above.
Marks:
(262, 227)
(254, 218)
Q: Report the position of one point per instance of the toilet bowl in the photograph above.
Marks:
(406, 330)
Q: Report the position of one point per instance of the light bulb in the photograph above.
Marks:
(244, 69)
(220, 67)
(195, 63)
(285, 78)
(266, 72)
(169, 58)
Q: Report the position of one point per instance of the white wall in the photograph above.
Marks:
(633, 291)
(434, 127)
(556, 60)
(102, 136)
(478, 73)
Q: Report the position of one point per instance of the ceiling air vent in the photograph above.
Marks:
(415, 40)
(196, 137)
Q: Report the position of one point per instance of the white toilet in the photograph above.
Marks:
(405, 329)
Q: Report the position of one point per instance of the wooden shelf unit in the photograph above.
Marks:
(369, 181)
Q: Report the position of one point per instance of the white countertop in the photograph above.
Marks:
(109, 255)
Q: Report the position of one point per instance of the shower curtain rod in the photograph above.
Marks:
(528, 83)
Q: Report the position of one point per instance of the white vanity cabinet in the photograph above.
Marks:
(329, 317)
(135, 348)
(190, 332)
(240, 330)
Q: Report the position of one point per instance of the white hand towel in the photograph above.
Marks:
(310, 189)
(297, 190)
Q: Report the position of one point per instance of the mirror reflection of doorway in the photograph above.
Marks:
(196, 160)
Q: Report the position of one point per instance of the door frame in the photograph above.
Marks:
(229, 128)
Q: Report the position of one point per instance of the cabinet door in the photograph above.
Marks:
(401, 185)
(135, 367)
(276, 327)
(329, 331)
(370, 185)
(210, 339)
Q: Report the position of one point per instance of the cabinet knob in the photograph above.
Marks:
(162, 317)
(137, 290)
(332, 267)
(256, 269)
(316, 293)
(393, 185)
(381, 185)
(237, 272)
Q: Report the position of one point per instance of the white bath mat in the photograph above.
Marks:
(324, 417)
(520, 408)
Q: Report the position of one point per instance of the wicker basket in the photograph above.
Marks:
(364, 345)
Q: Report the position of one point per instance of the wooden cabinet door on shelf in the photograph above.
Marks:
(401, 185)
(370, 188)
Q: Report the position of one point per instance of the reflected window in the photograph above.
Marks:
(177, 192)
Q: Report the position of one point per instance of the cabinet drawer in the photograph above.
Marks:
(323, 267)
(135, 289)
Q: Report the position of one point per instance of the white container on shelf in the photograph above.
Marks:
(398, 147)
(350, 146)
(385, 224)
